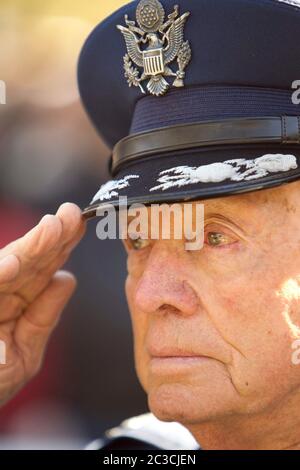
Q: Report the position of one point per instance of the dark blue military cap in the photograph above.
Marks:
(194, 98)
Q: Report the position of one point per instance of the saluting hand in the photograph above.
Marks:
(33, 293)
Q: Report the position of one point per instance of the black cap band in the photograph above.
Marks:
(282, 130)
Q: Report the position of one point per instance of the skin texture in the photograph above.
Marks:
(33, 293)
(238, 306)
(235, 305)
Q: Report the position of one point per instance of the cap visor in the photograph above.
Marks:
(199, 174)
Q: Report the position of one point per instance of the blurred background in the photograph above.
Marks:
(49, 154)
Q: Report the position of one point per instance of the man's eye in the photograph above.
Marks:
(217, 239)
(138, 244)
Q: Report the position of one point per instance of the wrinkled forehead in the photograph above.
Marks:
(239, 204)
(242, 211)
(251, 213)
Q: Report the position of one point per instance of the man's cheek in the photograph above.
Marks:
(234, 299)
(249, 318)
(251, 291)
(250, 311)
(259, 332)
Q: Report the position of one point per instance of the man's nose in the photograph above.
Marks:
(164, 286)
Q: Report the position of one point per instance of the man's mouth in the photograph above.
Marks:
(171, 352)
(166, 365)
(167, 359)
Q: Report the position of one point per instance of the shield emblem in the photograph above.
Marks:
(153, 62)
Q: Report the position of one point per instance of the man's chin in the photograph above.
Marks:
(185, 404)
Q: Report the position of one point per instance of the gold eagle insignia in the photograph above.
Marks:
(153, 45)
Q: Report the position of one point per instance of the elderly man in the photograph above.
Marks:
(215, 329)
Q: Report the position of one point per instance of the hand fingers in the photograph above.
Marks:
(13, 304)
(9, 268)
(56, 231)
(52, 232)
(34, 285)
(33, 250)
(74, 242)
(38, 249)
(71, 219)
(35, 326)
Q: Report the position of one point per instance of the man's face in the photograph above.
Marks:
(234, 305)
